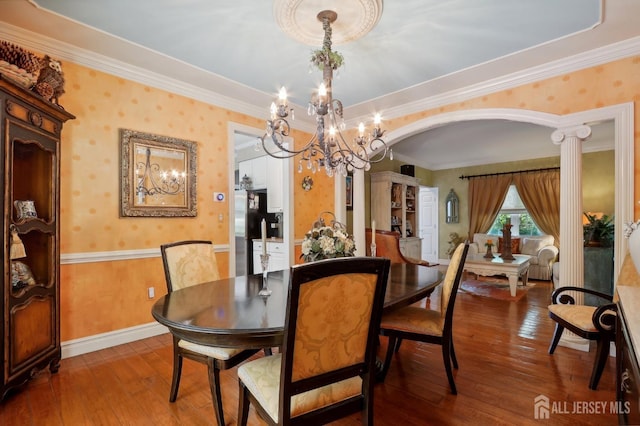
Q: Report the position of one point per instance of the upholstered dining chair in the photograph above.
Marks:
(589, 322)
(188, 263)
(326, 369)
(388, 245)
(427, 325)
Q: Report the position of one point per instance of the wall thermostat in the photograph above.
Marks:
(218, 196)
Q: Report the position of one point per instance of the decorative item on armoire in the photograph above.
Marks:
(18, 64)
(50, 84)
(21, 275)
(17, 247)
(25, 209)
(505, 250)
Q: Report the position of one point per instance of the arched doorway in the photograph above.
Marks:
(622, 116)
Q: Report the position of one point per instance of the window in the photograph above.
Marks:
(513, 208)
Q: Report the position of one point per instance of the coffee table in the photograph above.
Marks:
(513, 269)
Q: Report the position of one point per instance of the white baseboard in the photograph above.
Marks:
(96, 342)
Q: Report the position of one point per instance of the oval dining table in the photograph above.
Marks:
(230, 313)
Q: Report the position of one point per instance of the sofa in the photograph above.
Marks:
(540, 247)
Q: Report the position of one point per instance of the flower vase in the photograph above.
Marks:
(489, 254)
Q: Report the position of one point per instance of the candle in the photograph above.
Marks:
(264, 237)
(373, 232)
(322, 92)
(282, 96)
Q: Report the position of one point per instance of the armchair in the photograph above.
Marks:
(588, 322)
(388, 245)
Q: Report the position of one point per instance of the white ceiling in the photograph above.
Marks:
(419, 51)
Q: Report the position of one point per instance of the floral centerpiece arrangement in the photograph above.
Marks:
(327, 241)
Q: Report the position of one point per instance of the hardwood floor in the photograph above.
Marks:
(501, 348)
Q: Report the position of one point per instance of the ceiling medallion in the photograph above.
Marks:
(298, 19)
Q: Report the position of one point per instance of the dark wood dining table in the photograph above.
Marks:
(230, 313)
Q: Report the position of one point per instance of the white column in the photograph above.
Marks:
(358, 213)
(571, 235)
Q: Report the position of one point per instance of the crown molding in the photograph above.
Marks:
(236, 97)
(595, 57)
(67, 52)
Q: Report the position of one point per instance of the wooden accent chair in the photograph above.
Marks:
(188, 263)
(388, 245)
(427, 325)
(590, 322)
(326, 369)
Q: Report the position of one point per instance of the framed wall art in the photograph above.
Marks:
(349, 192)
(157, 175)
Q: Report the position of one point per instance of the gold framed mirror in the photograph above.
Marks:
(157, 175)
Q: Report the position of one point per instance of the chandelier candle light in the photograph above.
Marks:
(327, 147)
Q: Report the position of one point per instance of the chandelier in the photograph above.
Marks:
(327, 148)
(152, 180)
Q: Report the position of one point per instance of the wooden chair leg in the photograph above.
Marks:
(216, 392)
(556, 338)
(243, 405)
(446, 357)
(177, 370)
(397, 346)
(387, 359)
(602, 354)
(453, 356)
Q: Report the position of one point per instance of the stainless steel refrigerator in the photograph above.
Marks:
(250, 209)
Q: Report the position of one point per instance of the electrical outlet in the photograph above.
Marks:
(151, 292)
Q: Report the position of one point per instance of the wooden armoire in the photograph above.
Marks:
(30, 329)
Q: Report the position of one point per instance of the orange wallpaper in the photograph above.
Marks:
(113, 294)
(596, 87)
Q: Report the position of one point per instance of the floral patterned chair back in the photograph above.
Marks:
(327, 364)
(188, 263)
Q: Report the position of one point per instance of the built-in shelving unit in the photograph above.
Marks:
(394, 206)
